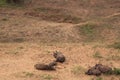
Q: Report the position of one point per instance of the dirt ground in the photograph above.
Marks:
(81, 30)
(17, 60)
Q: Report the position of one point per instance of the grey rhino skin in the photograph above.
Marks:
(93, 71)
(103, 68)
(59, 57)
(98, 69)
(50, 66)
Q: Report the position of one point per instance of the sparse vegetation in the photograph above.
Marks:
(8, 39)
(19, 40)
(97, 55)
(90, 31)
(46, 10)
(28, 74)
(81, 29)
(116, 71)
(3, 2)
(14, 51)
(47, 77)
(116, 45)
(13, 3)
(78, 70)
(114, 57)
(48, 52)
(99, 78)
(63, 15)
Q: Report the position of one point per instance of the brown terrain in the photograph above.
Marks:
(82, 30)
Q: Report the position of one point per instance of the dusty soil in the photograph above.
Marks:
(17, 60)
(82, 30)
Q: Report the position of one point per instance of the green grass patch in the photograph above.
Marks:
(116, 45)
(116, 71)
(97, 55)
(18, 40)
(47, 77)
(28, 74)
(114, 57)
(3, 2)
(99, 78)
(76, 70)
(90, 31)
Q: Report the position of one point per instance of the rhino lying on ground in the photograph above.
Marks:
(50, 66)
(59, 57)
(98, 69)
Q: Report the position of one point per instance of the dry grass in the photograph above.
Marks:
(77, 70)
(79, 28)
(97, 55)
(31, 54)
(116, 45)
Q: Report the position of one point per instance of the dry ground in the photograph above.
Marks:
(81, 29)
(17, 60)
